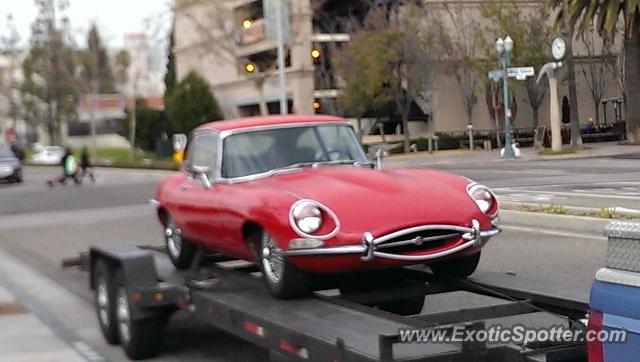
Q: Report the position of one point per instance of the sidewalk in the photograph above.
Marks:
(24, 337)
(455, 157)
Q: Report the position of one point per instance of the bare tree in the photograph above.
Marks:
(458, 39)
(596, 67)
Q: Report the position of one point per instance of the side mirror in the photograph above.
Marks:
(202, 173)
(379, 156)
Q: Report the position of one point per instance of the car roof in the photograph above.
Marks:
(263, 121)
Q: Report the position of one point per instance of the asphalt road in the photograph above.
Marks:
(593, 182)
(39, 227)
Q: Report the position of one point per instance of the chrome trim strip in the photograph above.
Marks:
(425, 257)
(155, 203)
(334, 250)
(369, 246)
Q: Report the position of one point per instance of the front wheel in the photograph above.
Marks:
(282, 279)
(180, 250)
(459, 267)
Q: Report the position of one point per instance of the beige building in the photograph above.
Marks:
(220, 39)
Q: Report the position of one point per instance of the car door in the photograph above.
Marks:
(199, 204)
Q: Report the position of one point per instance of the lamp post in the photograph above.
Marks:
(504, 47)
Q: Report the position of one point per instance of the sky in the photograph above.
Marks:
(113, 17)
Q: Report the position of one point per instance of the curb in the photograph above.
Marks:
(550, 222)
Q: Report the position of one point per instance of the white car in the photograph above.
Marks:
(48, 155)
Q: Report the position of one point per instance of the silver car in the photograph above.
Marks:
(10, 167)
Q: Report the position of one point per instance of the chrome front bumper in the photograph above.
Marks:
(371, 247)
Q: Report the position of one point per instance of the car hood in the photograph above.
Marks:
(383, 200)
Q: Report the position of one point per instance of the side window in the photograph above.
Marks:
(204, 151)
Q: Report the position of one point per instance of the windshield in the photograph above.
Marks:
(254, 152)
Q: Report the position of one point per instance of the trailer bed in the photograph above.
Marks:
(329, 326)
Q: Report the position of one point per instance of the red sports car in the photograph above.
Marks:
(297, 195)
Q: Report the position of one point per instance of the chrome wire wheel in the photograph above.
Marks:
(124, 316)
(173, 236)
(272, 259)
(102, 299)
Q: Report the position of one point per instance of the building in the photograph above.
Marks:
(230, 43)
(145, 76)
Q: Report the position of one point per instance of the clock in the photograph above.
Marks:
(558, 48)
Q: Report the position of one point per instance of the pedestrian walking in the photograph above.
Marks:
(85, 165)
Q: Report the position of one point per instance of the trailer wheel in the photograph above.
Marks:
(180, 250)
(459, 267)
(283, 280)
(105, 300)
(140, 338)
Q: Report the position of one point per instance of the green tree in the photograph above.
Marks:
(531, 35)
(191, 104)
(96, 68)
(170, 75)
(151, 124)
(49, 69)
(607, 14)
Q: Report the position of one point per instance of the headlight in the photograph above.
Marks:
(308, 217)
(484, 198)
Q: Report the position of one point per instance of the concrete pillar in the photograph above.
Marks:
(554, 112)
(301, 76)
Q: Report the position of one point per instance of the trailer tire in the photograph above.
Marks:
(105, 300)
(140, 338)
(180, 250)
(283, 280)
(460, 267)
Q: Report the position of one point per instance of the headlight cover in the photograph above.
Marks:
(307, 217)
(484, 198)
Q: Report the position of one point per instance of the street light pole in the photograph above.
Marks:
(284, 107)
(504, 49)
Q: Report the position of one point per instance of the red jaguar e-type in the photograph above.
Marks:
(297, 195)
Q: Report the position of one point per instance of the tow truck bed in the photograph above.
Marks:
(332, 327)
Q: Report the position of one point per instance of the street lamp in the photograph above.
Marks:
(504, 47)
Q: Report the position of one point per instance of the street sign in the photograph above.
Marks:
(520, 73)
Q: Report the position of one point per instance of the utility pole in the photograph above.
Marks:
(94, 96)
(284, 106)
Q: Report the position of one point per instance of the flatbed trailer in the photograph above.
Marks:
(138, 288)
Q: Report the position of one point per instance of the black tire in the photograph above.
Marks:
(460, 267)
(283, 280)
(140, 338)
(105, 300)
(180, 250)
(17, 176)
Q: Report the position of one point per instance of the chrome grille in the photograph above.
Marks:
(417, 240)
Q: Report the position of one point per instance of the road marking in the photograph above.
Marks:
(553, 232)
(562, 193)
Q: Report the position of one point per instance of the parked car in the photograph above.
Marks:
(10, 167)
(47, 155)
(297, 195)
